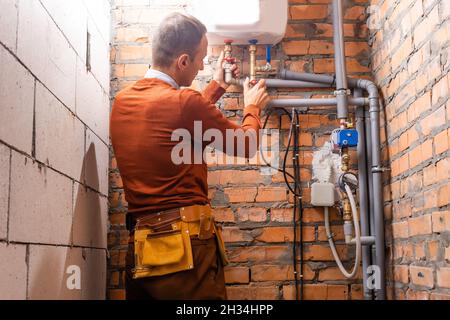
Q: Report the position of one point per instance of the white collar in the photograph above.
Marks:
(151, 73)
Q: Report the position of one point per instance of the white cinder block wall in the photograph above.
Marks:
(54, 111)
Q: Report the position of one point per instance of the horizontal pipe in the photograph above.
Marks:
(281, 103)
(365, 240)
(312, 77)
(277, 83)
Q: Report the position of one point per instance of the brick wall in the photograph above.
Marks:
(53, 147)
(410, 62)
(256, 210)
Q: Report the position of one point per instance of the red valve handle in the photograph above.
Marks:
(228, 41)
(230, 60)
(253, 82)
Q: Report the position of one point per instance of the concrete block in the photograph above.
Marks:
(13, 278)
(100, 51)
(94, 271)
(16, 103)
(4, 189)
(51, 273)
(8, 23)
(99, 11)
(44, 50)
(40, 204)
(71, 18)
(96, 164)
(59, 135)
(90, 218)
(92, 104)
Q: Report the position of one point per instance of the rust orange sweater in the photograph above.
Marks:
(143, 118)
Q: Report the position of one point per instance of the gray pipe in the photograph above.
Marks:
(363, 193)
(313, 77)
(367, 129)
(378, 212)
(281, 103)
(277, 83)
(339, 58)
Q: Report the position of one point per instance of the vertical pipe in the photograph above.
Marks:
(370, 176)
(363, 192)
(378, 193)
(339, 57)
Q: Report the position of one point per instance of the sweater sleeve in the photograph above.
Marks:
(200, 115)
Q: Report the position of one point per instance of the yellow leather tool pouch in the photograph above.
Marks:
(162, 248)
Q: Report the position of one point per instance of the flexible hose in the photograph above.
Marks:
(357, 237)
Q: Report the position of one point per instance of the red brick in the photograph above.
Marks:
(401, 273)
(443, 277)
(318, 292)
(281, 215)
(234, 234)
(334, 273)
(441, 221)
(252, 214)
(240, 194)
(422, 276)
(433, 250)
(251, 292)
(441, 142)
(417, 295)
(400, 230)
(434, 120)
(308, 12)
(420, 225)
(355, 13)
(237, 275)
(271, 194)
(265, 254)
(337, 231)
(356, 292)
(443, 197)
(323, 252)
(224, 215)
(439, 296)
(278, 273)
(419, 251)
(276, 234)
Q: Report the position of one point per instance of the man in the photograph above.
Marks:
(143, 119)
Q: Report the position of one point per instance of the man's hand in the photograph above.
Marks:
(257, 95)
(219, 74)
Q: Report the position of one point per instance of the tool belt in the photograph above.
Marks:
(162, 241)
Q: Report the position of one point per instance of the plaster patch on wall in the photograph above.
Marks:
(326, 164)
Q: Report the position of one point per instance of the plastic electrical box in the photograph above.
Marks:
(345, 138)
(242, 20)
(323, 194)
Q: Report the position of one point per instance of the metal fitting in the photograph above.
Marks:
(345, 160)
(347, 210)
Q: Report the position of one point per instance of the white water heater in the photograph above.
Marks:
(242, 20)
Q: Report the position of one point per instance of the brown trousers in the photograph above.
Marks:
(205, 282)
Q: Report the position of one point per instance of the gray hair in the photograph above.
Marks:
(176, 35)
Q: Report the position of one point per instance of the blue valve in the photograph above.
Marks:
(345, 138)
(253, 41)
